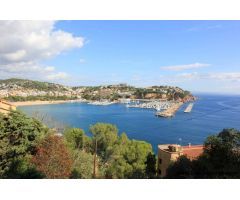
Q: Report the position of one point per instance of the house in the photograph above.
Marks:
(169, 153)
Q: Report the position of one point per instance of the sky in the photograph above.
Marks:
(200, 56)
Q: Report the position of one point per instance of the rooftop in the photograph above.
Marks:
(192, 151)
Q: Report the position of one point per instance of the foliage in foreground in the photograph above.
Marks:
(19, 136)
(53, 158)
(28, 149)
(220, 159)
(116, 156)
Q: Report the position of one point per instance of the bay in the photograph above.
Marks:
(210, 114)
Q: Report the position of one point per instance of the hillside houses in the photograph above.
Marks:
(28, 88)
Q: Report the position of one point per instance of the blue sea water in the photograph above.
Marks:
(210, 114)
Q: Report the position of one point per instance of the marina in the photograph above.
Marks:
(156, 105)
(141, 124)
(163, 108)
(170, 112)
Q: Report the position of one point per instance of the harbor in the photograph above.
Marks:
(164, 108)
(156, 105)
(170, 112)
(142, 124)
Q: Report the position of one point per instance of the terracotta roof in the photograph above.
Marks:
(193, 151)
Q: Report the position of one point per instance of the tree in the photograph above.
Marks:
(23, 168)
(53, 158)
(221, 157)
(116, 165)
(151, 170)
(82, 164)
(19, 136)
(128, 159)
(76, 138)
(180, 169)
(136, 156)
(105, 135)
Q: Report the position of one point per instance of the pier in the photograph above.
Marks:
(189, 108)
(170, 112)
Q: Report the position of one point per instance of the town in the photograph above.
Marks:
(166, 100)
(21, 88)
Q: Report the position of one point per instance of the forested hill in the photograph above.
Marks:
(23, 89)
(30, 84)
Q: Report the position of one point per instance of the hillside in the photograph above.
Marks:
(29, 84)
(27, 90)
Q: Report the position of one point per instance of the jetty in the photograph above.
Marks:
(170, 112)
(189, 108)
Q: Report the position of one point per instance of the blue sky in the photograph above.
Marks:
(201, 56)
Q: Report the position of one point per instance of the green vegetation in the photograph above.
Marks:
(28, 149)
(140, 93)
(82, 164)
(220, 159)
(16, 90)
(40, 98)
(29, 84)
(117, 156)
(77, 140)
(19, 136)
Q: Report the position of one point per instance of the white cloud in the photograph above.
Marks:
(26, 67)
(185, 67)
(24, 44)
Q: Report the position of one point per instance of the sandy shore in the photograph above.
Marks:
(30, 103)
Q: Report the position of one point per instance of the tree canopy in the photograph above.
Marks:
(19, 136)
(28, 149)
(53, 158)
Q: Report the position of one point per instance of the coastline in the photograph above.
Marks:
(168, 112)
(38, 102)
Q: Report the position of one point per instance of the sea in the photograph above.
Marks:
(210, 114)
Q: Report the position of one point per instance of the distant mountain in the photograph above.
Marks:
(23, 89)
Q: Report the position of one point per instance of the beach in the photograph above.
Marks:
(38, 102)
